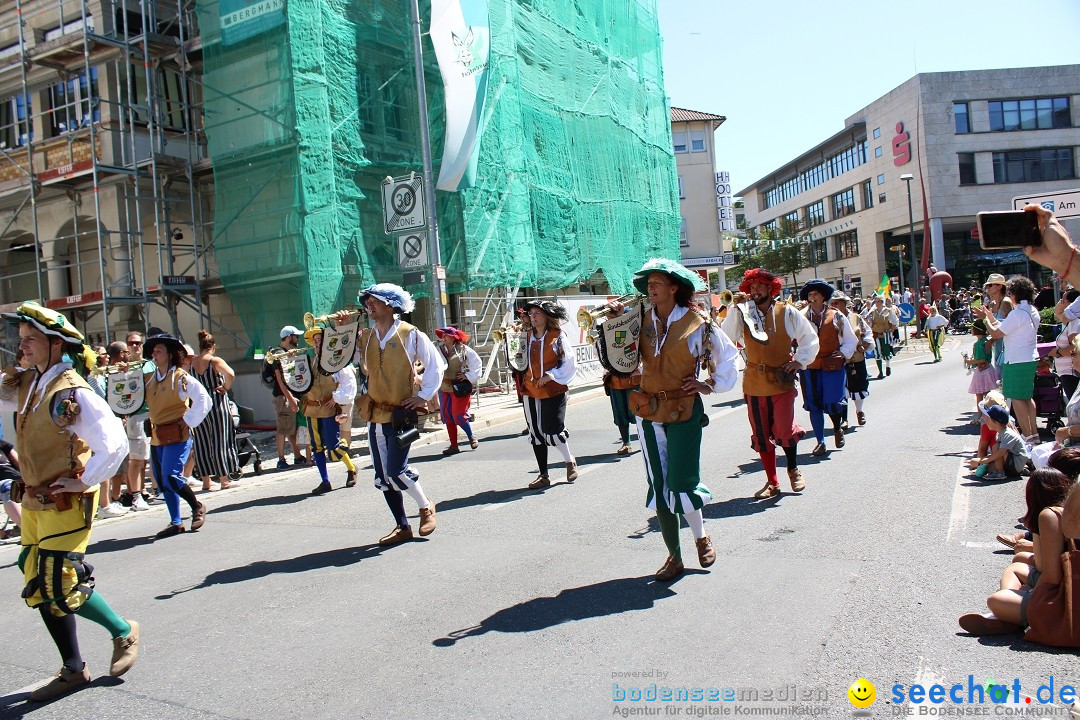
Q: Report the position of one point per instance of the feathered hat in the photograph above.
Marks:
(761, 275)
(553, 310)
(171, 343)
(395, 296)
(47, 321)
(672, 269)
(453, 332)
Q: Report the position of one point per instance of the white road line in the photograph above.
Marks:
(961, 503)
(983, 545)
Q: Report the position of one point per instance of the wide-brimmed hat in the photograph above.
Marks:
(672, 269)
(553, 310)
(395, 296)
(817, 284)
(995, 279)
(171, 343)
(453, 332)
(761, 275)
(839, 296)
(311, 332)
(47, 321)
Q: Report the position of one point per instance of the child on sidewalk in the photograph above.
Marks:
(986, 375)
(1010, 455)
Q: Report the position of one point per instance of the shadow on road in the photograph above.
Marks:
(9, 703)
(341, 557)
(610, 597)
(270, 501)
(735, 507)
(487, 497)
(117, 544)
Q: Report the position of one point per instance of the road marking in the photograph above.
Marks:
(961, 503)
(983, 545)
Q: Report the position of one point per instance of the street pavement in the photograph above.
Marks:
(541, 604)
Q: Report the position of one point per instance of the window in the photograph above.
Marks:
(820, 251)
(1033, 114)
(960, 118)
(14, 126)
(171, 99)
(847, 159)
(791, 222)
(881, 179)
(678, 139)
(867, 194)
(877, 151)
(73, 104)
(877, 133)
(682, 189)
(843, 203)
(697, 141)
(1034, 165)
(815, 214)
(967, 168)
(684, 236)
(847, 245)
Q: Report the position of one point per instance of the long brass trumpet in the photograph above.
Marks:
(341, 316)
(586, 319)
(499, 334)
(727, 298)
(106, 369)
(276, 355)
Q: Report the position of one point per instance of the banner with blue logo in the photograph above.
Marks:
(462, 39)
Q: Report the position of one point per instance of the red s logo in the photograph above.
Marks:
(901, 147)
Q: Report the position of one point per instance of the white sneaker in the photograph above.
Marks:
(113, 509)
(138, 503)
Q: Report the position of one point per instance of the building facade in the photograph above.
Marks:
(700, 236)
(967, 141)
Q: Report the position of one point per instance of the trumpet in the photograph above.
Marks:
(587, 318)
(341, 316)
(106, 369)
(727, 298)
(276, 355)
(499, 334)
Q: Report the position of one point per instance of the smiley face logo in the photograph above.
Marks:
(862, 693)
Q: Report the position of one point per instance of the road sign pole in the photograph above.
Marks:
(435, 252)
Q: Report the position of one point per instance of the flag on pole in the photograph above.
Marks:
(883, 286)
(462, 40)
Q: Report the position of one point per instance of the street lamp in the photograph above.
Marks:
(898, 248)
(907, 178)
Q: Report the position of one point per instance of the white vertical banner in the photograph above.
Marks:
(462, 40)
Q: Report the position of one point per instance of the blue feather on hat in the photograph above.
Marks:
(395, 296)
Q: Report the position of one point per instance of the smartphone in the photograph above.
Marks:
(1001, 229)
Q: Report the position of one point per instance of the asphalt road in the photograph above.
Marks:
(531, 604)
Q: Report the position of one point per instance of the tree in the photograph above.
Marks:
(780, 248)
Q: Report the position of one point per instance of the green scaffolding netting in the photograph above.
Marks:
(310, 104)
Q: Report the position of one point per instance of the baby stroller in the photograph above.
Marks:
(1049, 397)
(245, 448)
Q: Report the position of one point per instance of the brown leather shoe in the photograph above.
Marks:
(64, 682)
(818, 450)
(125, 650)
(706, 553)
(398, 536)
(427, 520)
(623, 450)
(838, 437)
(350, 478)
(977, 624)
(198, 517)
(169, 531)
(768, 491)
(673, 567)
(862, 417)
(571, 472)
(796, 478)
(540, 482)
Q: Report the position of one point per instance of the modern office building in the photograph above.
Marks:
(969, 141)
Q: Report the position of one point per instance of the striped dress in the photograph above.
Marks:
(215, 443)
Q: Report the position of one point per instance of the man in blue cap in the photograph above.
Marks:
(286, 404)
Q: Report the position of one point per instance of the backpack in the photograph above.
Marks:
(268, 375)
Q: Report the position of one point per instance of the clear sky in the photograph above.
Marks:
(786, 73)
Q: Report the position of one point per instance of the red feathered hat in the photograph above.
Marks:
(761, 275)
(453, 332)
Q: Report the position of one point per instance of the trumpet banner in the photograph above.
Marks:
(296, 371)
(126, 391)
(618, 346)
(338, 345)
(517, 350)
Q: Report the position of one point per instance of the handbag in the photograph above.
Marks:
(1054, 610)
(462, 388)
(170, 433)
(404, 421)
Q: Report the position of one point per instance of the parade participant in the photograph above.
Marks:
(135, 428)
(68, 442)
(935, 330)
(676, 343)
(177, 404)
(544, 384)
(286, 405)
(881, 319)
(766, 329)
(109, 501)
(618, 389)
(386, 355)
(462, 365)
(321, 406)
(858, 381)
(823, 380)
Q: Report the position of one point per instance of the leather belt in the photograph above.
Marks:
(670, 394)
(387, 407)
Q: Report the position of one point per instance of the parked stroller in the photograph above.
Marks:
(1049, 397)
(245, 448)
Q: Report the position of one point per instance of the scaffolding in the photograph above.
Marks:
(105, 182)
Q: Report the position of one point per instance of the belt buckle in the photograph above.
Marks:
(43, 497)
(662, 395)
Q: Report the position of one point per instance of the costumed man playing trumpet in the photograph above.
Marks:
(676, 343)
(321, 405)
(766, 328)
(387, 353)
(68, 441)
